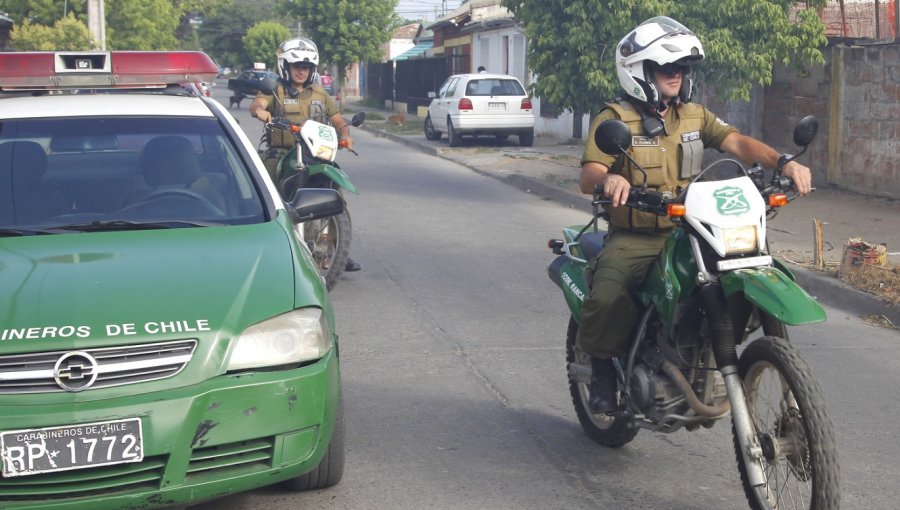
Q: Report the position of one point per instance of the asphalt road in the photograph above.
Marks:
(453, 366)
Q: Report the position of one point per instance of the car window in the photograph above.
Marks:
(443, 90)
(494, 87)
(71, 171)
(451, 89)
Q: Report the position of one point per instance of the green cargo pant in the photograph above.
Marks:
(609, 314)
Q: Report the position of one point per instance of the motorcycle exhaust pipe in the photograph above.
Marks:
(699, 407)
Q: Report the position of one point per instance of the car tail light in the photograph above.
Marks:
(526, 104)
(465, 104)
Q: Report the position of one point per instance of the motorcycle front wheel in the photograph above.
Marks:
(613, 432)
(329, 241)
(796, 437)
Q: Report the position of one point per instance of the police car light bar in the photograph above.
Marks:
(116, 69)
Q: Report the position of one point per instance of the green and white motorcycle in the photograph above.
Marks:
(712, 288)
(311, 164)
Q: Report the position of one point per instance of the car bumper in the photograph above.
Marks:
(227, 435)
(465, 123)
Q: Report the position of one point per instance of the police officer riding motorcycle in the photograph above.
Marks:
(297, 98)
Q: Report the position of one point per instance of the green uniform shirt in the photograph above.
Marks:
(312, 103)
(669, 160)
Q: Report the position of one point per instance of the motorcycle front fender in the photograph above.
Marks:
(335, 174)
(774, 292)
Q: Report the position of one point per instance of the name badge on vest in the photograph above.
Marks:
(289, 100)
(645, 141)
(690, 136)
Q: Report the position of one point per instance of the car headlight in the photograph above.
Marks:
(300, 335)
(739, 239)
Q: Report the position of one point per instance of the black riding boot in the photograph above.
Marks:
(352, 266)
(603, 386)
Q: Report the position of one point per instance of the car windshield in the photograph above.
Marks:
(494, 87)
(57, 175)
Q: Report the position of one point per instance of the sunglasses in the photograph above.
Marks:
(670, 69)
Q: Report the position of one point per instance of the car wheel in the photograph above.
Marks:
(453, 135)
(430, 132)
(330, 469)
(526, 138)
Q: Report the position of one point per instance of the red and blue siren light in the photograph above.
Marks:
(116, 69)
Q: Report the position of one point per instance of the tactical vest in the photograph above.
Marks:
(670, 161)
(308, 104)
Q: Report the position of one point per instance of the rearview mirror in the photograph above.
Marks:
(806, 130)
(431, 94)
(358, 119)
(267, 85)
(613, 137)
(314, 203)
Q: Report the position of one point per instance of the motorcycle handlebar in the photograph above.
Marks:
(655, 202)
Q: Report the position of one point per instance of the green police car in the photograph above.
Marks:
(165, 337)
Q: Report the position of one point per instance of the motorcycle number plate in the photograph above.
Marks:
(496, 107)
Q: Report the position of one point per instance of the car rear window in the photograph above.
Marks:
(57, 172)
(494, 87)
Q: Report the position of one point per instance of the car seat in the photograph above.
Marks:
(169, 163)
(23, 165)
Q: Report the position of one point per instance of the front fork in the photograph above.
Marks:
(725, 349)
(743, 426)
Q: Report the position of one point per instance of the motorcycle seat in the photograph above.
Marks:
(592, 243)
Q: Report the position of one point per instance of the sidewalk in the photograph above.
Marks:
(551, 169)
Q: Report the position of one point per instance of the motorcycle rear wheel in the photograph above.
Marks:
(329, 241)
(800, 461)
(613, 432)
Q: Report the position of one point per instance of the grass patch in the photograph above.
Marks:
(410, 127)
(883, 281)
(374, 116)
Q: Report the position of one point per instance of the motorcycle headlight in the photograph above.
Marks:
(297, 336)
(739, 239)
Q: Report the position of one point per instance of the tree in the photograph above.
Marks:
(42, 12)
(141, 24)
(572, 43)
(222, 29)
(67, 34)
(345, 31)
(262, 40)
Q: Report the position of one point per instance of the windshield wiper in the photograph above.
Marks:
(11, 232)
(110, 225)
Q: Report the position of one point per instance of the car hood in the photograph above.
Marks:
(87, 289)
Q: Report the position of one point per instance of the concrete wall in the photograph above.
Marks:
(856, 97)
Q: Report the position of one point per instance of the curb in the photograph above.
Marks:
(826, 288)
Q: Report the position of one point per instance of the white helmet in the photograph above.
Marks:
(661, 40)
(299, 49)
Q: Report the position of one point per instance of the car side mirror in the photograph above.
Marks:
(806, 130)
(315, 203)
(432, 94)
(358, 119)
(267, 85)
(613, 137)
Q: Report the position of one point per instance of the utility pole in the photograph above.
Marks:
(97, 22)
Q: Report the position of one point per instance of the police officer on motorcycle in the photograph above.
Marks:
(669, 134)
(299, 97)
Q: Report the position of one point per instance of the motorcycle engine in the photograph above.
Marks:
(654, 393)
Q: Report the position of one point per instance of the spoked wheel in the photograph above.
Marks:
(606, 430)
(796, 439)
(329, 241)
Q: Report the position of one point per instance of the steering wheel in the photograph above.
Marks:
(178, 194)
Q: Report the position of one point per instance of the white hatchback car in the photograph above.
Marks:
(477, 104)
